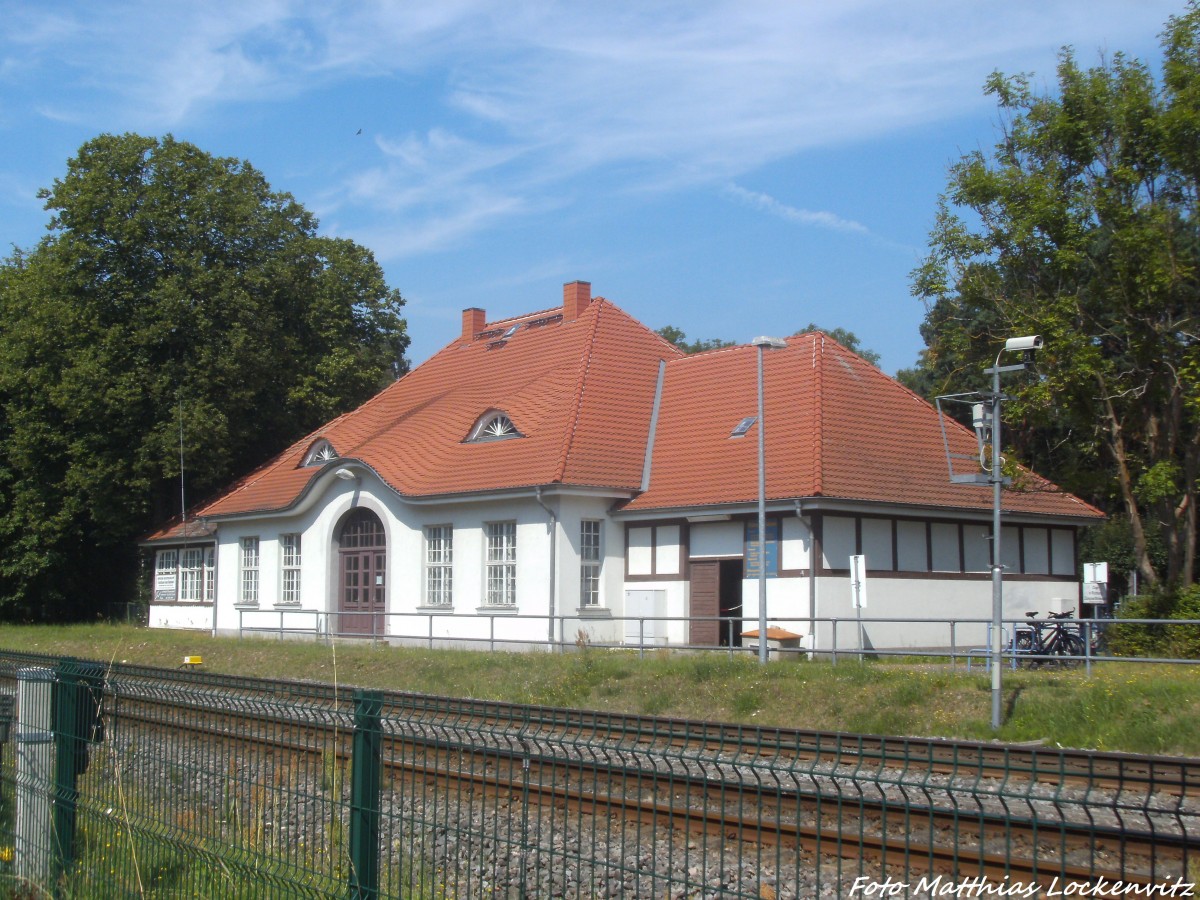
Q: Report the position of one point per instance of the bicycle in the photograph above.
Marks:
(1051, 642)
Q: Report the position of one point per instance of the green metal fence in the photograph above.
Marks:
(160, 783)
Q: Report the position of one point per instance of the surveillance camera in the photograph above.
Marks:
(1026, 344)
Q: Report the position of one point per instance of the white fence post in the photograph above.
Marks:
(35, 770)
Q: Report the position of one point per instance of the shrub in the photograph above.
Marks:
(1176, 641)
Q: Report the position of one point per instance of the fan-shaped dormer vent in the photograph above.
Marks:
(320, 453)
(493, 426)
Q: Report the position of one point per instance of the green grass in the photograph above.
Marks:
(1131, 707)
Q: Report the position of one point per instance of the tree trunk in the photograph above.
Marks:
(1116, 444)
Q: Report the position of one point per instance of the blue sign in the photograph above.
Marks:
(756, 552)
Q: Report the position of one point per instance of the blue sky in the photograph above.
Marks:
(730, 168)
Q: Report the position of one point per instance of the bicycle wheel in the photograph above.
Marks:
(1070, 650)
(1023, 645)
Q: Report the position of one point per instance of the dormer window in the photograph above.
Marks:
(320, 453)
(493, 426)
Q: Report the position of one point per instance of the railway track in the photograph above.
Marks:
(1033, 814)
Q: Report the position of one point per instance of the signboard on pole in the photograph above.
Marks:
(1095, 583)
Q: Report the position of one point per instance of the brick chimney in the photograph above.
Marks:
(473, 321)
(576, 297)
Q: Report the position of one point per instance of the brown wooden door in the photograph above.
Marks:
(706, 603)
(362, 575)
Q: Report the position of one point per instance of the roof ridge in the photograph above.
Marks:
(585, 366)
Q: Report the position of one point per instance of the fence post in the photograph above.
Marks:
(365, 785)
(35, 759)
(1087, 644)
(65, 706)
(76, 704)
(835, 621)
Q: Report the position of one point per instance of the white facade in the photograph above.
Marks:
(644, 573)
(548, 529)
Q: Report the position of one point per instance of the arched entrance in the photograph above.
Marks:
(362, 574)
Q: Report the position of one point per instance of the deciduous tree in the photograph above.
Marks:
(175, 298)
(1083, 225)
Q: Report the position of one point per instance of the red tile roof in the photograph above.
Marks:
(836, 427)
(581, 391)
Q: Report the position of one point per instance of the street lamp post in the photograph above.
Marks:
(763, 343)
(1027, 346)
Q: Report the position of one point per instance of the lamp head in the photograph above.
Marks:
(1026, 344)
(769, 343)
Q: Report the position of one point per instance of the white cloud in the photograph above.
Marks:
(772, 206)
(521, 98)
(436, 231)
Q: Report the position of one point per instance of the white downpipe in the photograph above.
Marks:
(553, 526)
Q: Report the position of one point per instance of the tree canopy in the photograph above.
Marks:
(177, 304)
(847, 339)
(677, 337)
(1083, 225)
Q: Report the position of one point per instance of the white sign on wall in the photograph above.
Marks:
(164, 585)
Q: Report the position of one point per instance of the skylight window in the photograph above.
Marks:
(493, 426)
(320, 453)
(743, 426)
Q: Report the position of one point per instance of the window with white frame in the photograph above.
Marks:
(249, 593)
(166, 575)
(320, 453)
(210, 574)
(185, 575)
(439, 565)
(501, 539)
(289, 572)
(493, 426)
(589, 562)
(191, 575)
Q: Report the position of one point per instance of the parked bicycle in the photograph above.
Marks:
(1052, 642)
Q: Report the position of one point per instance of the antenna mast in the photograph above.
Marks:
(182, 498)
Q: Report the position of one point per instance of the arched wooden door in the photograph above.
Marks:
(362, 574)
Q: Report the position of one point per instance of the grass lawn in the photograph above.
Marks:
(1130, 707)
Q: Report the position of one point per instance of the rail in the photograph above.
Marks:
(227, 786)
